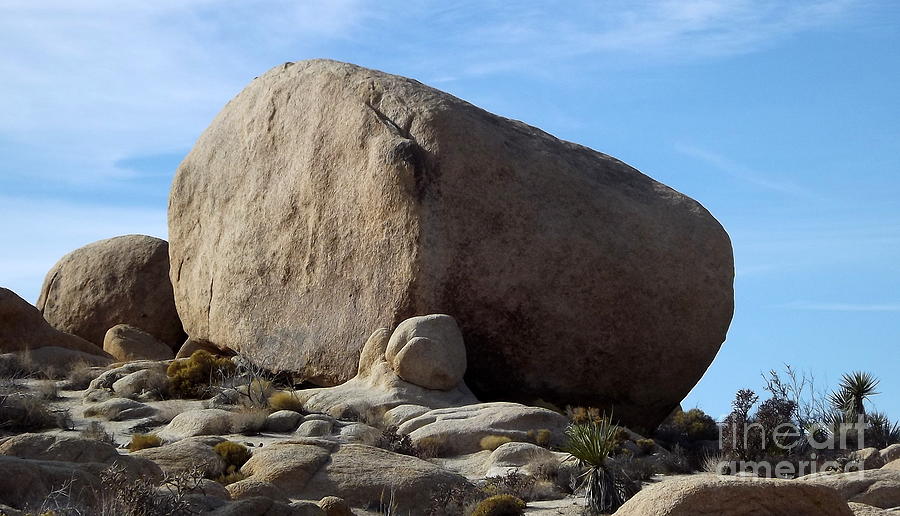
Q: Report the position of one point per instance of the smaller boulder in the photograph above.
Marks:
(150, 382)
(283, 421)
(120, 409)
(334, 506)
(127, 343)
(360, 433)
(198, 422)
(187, 454)
(314, 428)
(428, 351)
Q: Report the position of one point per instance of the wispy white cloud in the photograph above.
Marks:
(744, 173)
(97, 81)
(523, 36)
(842, 307)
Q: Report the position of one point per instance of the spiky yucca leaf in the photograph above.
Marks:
(591, 443)
(855, 388)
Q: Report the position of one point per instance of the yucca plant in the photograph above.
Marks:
(882, 432)
(854, 390)
(591, 443)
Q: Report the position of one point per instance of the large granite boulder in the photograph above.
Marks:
(121, 280)
(328, 199)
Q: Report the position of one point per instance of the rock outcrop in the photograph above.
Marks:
(328, 199)
(730, 496)
(121, 280)
(878, 488)
(378, 387)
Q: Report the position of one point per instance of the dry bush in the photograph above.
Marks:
(284, 400)
(234, 454)
(513, 483)
(143, 441)
(96, 431)
(430, 447)
(541, 437)
(80, 376)
(248, 420)
(46, 390)
(25, 413)
(492, 442)
(191, 377)
(500, 505)
(392, 441)
(647, 446)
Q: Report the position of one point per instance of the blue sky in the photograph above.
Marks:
(782, 118)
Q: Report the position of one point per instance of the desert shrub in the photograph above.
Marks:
(541, 437)
(882, 432)
(191, 377)
(686, 428)
(248, 420)
(430, 447)
(142, 441)
(96, 431)
(647, 446)
(714, 463)
(513, 483)
(582, 415)
(500, 505)
(284, 400)
(80, 376)
(234, 454)
(492, 442)
(24, 413)
(591, 444)
(392, 441)
(46, 390)
(230, 478)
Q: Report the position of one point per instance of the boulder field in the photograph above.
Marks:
(327, 199)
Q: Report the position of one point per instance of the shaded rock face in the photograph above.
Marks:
(23, 328)
(121, 280)
(328, 199)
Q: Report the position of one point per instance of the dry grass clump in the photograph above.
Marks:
(96, 431)
(143, 441)
(191, 377)
(284, 400)
(46, 390)
(234, 454)
(27, 413)
(248, 420)
(500, 505)
(541, 437)
(492, 442)
(430, 447)
(80, 376)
